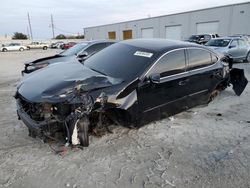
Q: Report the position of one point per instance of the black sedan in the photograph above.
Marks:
(78, 52)
(129, 83)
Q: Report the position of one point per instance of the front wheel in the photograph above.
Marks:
(83, 131)
(21, 49)
(5, 50)
(248, 57)
(45, 48)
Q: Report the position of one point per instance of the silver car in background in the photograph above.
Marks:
(236, 48)
(13, 47)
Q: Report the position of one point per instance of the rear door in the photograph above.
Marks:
(203, 78)
(243, 49)
(234, 50)
(15, 46)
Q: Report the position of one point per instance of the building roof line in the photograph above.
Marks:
(197, 10)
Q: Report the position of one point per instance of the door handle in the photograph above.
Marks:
(183, 82)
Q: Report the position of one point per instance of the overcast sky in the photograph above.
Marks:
(71, 16)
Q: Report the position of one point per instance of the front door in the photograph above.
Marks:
(168, 96)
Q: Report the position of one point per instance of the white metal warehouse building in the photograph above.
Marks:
(223, 20)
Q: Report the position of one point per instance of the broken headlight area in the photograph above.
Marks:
(71, 118)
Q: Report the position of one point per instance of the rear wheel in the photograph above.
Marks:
(214, 94)
(45, 48)
(5, 50)
(21, 49)
(83, 131)
(248, 57)
(28, 48)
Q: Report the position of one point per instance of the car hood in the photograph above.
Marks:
(47, 84)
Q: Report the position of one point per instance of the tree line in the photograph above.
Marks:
(22, 36)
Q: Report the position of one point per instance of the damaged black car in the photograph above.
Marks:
(129, 83)
(78, 52)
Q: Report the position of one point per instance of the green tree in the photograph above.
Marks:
(61, 36)
(18, 35)
(80, 37)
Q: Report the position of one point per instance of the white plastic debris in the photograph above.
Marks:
(171, 118)
(74, 137)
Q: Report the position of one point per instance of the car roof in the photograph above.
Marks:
(228, 37)
(100, 41)
(159, 45)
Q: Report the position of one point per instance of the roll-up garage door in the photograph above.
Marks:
(127, 34)
(173, 32)
(112, 35)
(207, 27)
(147, 32)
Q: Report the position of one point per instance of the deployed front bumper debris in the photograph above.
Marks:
(238, 80)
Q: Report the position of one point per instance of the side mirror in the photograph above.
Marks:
(155, 78)
(82, 55)
(232, 46)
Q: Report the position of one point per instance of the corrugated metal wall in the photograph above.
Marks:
(227, 20)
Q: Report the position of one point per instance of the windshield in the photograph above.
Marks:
(74, 50)
(121, 61)
(218, 42)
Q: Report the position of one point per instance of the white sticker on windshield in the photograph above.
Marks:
(143, 54)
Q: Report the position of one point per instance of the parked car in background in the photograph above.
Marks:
(57, 45)
(68, 45)
(246, 37)
(38, 45)
(13, 47)
(129, 83)
(201, 39)
(79, 52)
(236, 48)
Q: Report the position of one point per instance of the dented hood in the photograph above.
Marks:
(47, 84)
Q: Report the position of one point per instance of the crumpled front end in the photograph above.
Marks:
(45, 120)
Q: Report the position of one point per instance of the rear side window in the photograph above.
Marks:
(234, 43)
(241, 42)
(172, 63)
(199, 58)
(95, 48)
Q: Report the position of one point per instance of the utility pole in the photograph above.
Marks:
(52, 26)
(31, 35)
(28, 34)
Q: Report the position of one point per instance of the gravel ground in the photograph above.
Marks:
(207, 146)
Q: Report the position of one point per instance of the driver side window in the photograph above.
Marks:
(170, 64)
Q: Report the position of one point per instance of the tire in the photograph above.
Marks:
(28, 48)
(83, 131)
(5, 50)
(21, 49)
(45, 48)
(248, 57)
(214, 94)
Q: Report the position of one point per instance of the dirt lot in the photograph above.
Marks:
(207, 146)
